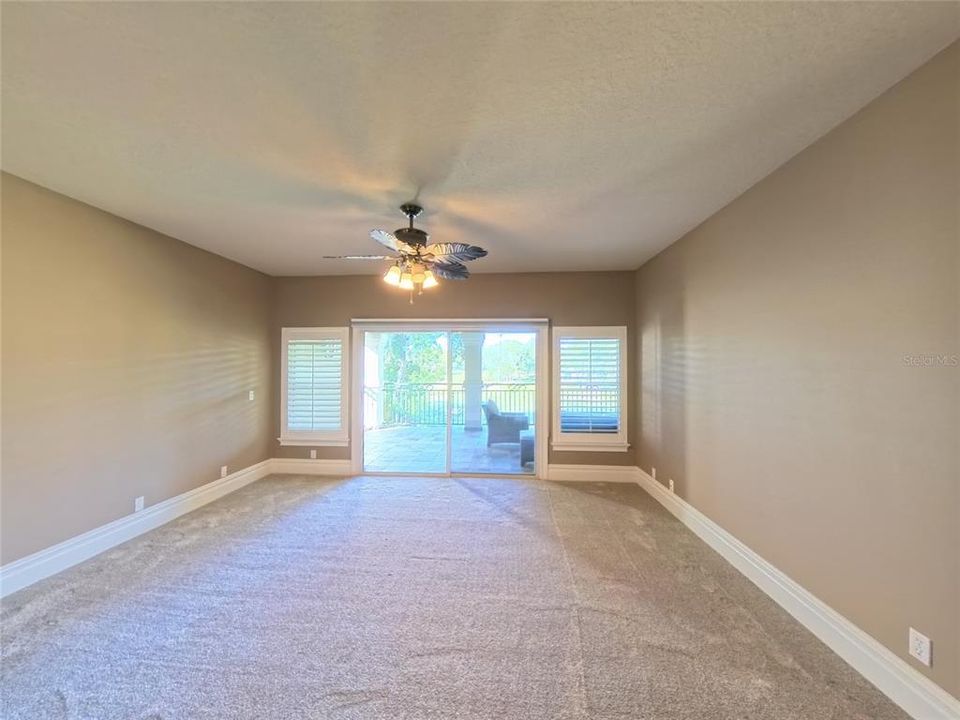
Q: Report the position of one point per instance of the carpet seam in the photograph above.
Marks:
(581, 674)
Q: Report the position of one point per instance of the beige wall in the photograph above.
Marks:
(594, 298)
(127, 357)
(777, 380)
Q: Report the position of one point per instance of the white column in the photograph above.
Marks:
(472, 380)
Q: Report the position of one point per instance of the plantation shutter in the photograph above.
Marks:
(589, 385)
(314, 384)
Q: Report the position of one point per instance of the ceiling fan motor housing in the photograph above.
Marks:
(412, 236)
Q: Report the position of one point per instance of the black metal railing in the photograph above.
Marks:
(426, 403)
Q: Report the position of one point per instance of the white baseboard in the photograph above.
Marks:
(916, 694)
(28, 570)
(305, 466)
(594, 473)
(912, 691)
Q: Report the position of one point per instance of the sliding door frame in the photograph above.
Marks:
(539, 326)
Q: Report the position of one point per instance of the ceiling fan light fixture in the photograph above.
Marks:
(418, 264)
(392, 276)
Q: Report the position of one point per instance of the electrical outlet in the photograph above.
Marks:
(653, 472)
(251, 395)
(223, 471)
(138, 504)
(313, 454)
(671, 484)
(920, 647)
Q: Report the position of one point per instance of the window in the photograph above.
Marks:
(589, 388)
(314, 391)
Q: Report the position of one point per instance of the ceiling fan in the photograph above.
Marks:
(417, 265)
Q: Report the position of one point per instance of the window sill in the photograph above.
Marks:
(297, 442)
(590, 447)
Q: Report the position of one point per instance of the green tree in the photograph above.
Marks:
(509, 361)
(416, 357)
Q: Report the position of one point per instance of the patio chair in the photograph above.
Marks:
(503, 427)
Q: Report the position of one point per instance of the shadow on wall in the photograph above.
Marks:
(155, 415)
(662, 350)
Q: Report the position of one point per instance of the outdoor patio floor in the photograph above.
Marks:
(419, 449)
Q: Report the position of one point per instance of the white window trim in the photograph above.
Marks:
(589, 442)
(330, 438)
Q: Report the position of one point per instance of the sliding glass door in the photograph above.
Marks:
(450, 401)
(494, 381)
(406, 397)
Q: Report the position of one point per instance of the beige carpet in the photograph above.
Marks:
(417, 598)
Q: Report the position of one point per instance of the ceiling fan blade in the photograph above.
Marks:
(454, 252)
(359, 257)
(452, 270)
(389, 240)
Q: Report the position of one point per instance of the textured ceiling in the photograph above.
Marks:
(559, 136)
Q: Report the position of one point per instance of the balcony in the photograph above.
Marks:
(405, 427)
